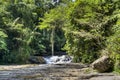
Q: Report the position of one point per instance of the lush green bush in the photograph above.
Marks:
(3, 44)
(113, 43)
(18, 20)
(90, 25)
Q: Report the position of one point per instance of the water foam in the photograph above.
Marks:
(58, 59)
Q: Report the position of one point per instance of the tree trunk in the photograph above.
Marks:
(52, 40)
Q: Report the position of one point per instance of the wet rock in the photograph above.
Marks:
(71, 71)
(102, 64)
(106, 78)
(37, 60)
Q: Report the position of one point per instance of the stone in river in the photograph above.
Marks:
(102, 64)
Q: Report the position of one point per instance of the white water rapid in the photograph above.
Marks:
(58, 59)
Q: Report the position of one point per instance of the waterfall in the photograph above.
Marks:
(58, 59)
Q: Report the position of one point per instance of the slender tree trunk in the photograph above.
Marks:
(52, 40)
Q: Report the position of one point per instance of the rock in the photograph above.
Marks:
(37, 60)
(106, 78)
(70, 71)
(102, 64)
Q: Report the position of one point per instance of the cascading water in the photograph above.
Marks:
(58, 59)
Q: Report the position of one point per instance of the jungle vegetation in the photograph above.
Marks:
(84, 29)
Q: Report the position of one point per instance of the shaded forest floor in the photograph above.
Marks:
(71, 71)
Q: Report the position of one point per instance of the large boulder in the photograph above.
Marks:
(37, 60)
(102, 64)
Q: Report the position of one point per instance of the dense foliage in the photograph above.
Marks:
(85, 29)
(90, 25)
(19, 34)
(93, 30)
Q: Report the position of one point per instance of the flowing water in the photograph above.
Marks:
(58, 59)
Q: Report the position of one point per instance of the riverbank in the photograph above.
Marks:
(12, 67)
(71, 71)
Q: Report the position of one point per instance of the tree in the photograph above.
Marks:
(54, 21)
(88, 29)
(19, 21)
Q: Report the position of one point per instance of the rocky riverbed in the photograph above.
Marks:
(70, 71)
